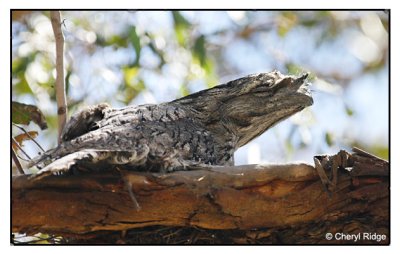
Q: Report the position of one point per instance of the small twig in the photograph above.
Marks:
(16, 161)
(29, 135)
(366, 154)
(63, 23)
(20, 157)
(20, 148)
(60, 86)
(324, 178)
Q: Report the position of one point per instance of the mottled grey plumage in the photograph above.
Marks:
(202, 128)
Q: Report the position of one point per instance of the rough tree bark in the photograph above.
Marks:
(285, 203)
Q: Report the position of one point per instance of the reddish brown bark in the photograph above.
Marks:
(290, 198)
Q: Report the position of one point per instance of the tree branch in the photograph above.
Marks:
(16, 161)
(240, 198)
(60, 86)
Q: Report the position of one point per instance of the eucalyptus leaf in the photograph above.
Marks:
(24, 114)
(135, 41)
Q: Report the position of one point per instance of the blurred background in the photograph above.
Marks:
(137, 57)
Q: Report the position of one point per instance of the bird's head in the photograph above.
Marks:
(248, 106)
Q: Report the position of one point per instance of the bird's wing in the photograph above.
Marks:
(94, 157)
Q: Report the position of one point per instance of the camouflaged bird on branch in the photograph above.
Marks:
(204, 128)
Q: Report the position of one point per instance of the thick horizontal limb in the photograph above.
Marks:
(240, 197)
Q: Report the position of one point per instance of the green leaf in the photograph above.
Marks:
(22, 86)
(21, 64)
(130, 74)
(115, 40)
(293, 68)
(133, 90)
(211, 78)
(181, 26)
(135, 41)
(179, 20)
(286, 22)
(349, 111)
(199, 50)
(183, 89)
(309, 23)
(329, 139)
(158, 52)
(24, 114)
(132, 85)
